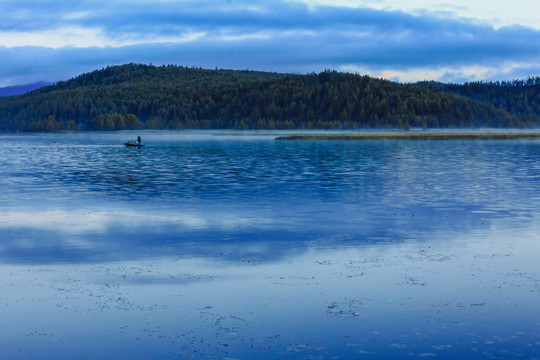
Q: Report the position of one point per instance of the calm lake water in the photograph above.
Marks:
(231, 245)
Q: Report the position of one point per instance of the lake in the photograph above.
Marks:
(231, 245)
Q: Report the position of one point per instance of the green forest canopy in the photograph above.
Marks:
(137, 96)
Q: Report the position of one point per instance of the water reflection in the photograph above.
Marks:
(216, 245)
(475, 298)
(81, 197)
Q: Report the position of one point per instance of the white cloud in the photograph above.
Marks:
(440, 43)
(54, 38)
(445, 74)
(86, 37)
(497, 13)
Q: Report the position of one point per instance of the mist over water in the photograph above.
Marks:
(292, 249)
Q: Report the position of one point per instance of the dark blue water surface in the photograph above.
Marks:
(235, 245)
(228, 187)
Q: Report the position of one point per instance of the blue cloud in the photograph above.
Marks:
(294, 38)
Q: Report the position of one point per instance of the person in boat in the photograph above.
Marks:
(138, 142)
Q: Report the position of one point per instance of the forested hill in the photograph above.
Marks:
(517, 97)
(170, 97)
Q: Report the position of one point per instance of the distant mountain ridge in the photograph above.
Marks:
(21, 89)
(136, 96)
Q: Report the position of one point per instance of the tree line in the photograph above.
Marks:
(136, 96)
(519, 97)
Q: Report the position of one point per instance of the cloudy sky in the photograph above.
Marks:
(451, 41)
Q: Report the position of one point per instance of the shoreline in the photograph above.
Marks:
(416, 136)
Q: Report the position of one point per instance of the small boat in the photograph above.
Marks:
(133, 144)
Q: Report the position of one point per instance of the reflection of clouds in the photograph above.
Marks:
(217, 197)
(419, 293)
(102, 221)
(61, 236)
(68, 221)
(117, 233)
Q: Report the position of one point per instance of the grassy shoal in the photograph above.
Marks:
(416, 136)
